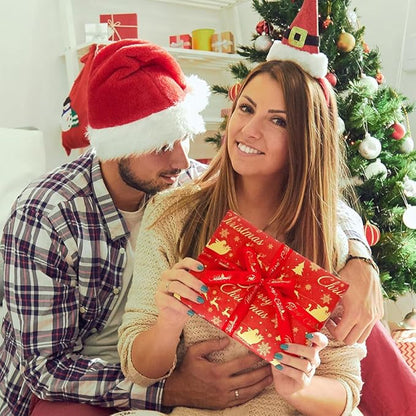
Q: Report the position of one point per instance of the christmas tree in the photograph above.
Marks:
(373, 126)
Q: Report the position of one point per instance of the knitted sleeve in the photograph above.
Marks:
(154, 254)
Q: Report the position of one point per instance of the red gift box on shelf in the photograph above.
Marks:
(122, 26)
(261, 292)
(180, 41)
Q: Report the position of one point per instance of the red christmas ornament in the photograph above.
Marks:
(366, 48)
(233, 91)
(327, 22)
(380, 77)
(332, 78)
(262, 27)
(398, 131)
(372, 233)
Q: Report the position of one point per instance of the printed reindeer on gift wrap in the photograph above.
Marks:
(250, 336)
(219, 246)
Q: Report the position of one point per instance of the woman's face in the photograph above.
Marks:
(257, 135)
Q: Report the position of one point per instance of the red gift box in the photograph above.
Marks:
(123, 26)
(180, 41)
(261, 292)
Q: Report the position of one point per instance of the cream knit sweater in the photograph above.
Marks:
(154, 254)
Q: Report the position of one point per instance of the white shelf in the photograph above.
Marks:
(205, 4)
(205, 59)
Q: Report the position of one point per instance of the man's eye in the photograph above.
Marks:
(164, 149)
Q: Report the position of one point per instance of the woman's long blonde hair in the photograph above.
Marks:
(307, 212)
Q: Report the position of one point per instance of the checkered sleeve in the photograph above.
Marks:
(43, 305)
(351, 223)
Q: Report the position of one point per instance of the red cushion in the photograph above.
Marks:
(389, 383)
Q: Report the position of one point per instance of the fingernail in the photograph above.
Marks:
(200, 267)
(279, 367)
(200, 299)
(284, 346)
(309, 335)
(278, 356)
(204, 289)
(190, 312)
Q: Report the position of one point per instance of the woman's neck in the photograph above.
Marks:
(257, 203)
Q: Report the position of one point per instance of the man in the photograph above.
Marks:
(68, 247)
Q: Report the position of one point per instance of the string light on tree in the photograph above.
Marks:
(370, 147)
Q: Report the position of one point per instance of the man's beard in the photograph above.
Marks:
(150, 187)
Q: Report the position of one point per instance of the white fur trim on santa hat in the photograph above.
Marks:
(316, 64)
(156, 130)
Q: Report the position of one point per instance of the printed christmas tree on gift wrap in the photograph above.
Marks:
(373, 124)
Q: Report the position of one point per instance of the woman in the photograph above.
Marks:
(280, 169)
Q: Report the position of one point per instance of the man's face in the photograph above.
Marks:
(156, 171)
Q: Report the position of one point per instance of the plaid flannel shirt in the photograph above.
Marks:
(64, 254)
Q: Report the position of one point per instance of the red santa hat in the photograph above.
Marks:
(300, 42)
(139, 100)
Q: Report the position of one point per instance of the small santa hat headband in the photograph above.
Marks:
(139, 100)
(300, 42)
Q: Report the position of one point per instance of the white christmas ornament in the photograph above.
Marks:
(409, 187)
(409, 217)
(370, 147)
(407, 145)
(369, 83)
(263, 43)
(374, 169)
(341, 126)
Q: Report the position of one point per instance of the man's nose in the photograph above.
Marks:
(179, 155)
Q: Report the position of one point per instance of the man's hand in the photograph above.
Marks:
(204, 384)
(363, 303)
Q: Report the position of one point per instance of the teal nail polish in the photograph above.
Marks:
(200, 299)
(309, 335)
(200, 267)
(284, 346)
(279, 367)
(190, 312)
(278, 356)
(204, 289)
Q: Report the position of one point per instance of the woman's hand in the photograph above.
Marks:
(178, 283)
(297, 364)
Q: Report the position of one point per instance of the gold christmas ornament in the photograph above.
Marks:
(346, 42)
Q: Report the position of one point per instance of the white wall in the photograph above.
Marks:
(33, 81)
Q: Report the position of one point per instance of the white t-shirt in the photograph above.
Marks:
(103, 344)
